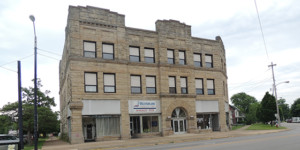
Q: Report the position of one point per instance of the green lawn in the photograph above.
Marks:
(260, 126)
(237, 127)
(40, 144)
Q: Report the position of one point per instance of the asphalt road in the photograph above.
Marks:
(287, 140)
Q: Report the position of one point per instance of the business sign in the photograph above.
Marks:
(142, 106)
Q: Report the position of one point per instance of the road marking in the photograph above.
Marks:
(234, 142)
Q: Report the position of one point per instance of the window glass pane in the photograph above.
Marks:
(146, 124)
(134, 51)
(181, 55)
(149, 59)
(210, 84)
(89, 54)
(149, 53)
(150, 81)
(90, 78)
(108, 56)
(208, 58)
(134, 58)
(155, 125)
(151, 90)
(184, 90)
(90, 88)
(109, 79)
(136, 90)
(136, 81)
(182, 82)
(197, 57)
(171, 81)
(89, 46)
(182, 61)
(109, 89)
(170, 54)
(108, 48)
(199, 83)
(199, 91)
(170, 61)
(210, 91)
(172, 89)
(209, 65)
(197, 63)
(107, 126)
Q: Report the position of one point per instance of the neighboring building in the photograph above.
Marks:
(118, 82)
(236, 116)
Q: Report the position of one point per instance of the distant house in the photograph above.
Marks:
(236, 115)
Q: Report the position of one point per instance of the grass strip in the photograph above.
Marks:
(260, 126)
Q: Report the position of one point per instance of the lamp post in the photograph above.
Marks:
(35, 85)
(275, 90)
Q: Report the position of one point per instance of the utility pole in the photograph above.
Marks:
(20, 118)
(275, 91)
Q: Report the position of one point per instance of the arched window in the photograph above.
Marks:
(178, 113)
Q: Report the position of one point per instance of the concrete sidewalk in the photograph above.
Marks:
(55, 144)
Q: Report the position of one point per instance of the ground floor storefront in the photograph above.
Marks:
(110, 119)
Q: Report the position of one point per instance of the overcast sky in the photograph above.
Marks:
(234, 20)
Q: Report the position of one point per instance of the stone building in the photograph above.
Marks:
(118, 82)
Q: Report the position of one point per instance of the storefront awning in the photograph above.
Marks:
(101, 107)
(207, 106)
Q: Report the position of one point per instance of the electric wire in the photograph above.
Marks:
(48, 56)
(16, 60)
(49, 52)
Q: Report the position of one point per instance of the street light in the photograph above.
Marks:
(275, 89)
(35, 85)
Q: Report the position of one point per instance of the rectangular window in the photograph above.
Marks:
(107, 126)
(109, 83)
(210, 87)
(209, 61)
(172, 84)
(199, 86)
(183, 84)
(136, 84)
(182, 58)
(89, 49)
(197, 60)
(107, 51)
(150, 124)
(90, 82)
(134, 54)
(150, 85)
(149, 55)
(170, 55)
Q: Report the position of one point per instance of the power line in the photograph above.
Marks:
(15, 60)
(8, 69)
(48, 56)
(49, 52)
(262, 33)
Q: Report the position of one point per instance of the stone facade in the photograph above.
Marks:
(103, 26)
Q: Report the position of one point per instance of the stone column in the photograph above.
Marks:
(76, 123)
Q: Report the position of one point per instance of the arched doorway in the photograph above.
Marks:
(178, 121)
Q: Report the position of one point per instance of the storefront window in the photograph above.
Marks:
(150, 124)
(204, 121)
(108, 126)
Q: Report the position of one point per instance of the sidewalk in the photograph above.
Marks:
(59, 145)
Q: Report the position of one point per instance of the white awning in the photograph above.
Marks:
(101, 107)
(207, 106)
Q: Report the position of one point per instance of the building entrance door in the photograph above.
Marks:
(89, 132)
(179, 126)
(135, 127)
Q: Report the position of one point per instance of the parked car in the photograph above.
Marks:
(8, 142)
(289, 120)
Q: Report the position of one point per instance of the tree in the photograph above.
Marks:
(243, 101)
(295, 109)
(268, 108)
(6, 124)
(284, 109)
(251, 116)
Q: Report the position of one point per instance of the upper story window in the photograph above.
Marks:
(150, 85)
(134, 54)
(172, 84)
(209, 61)
(210, 87)
(107, 51)
(109, 83)
(90, 82)
(170, 55)
(149, 55)
(182, 60)
(199, 86)
(136, 87)
(89, 49)
(183, 84)
(197, 60)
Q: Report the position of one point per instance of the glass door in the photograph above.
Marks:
(179, 126)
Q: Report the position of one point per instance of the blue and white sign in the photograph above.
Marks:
(144, 106)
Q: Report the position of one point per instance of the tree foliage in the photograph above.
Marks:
(295, 109)
(268, 108)
(243, 101)
(284, 109)
(251, 116)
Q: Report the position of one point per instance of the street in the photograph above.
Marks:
(287, 140)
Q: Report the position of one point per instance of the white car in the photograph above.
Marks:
(8, 142)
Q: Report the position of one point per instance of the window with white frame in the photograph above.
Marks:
(170, 55)
(199, 86)
(136, 84)
(182, 60)
(183, 84)
(172, 84)
(107, 51)
(109, 83)
(209, 61)
(90, 82)
(150, 85)
(149, 55)
(197, 60)
(89, 49)
(134, 54)
(210, 87)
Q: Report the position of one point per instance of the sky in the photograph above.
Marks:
(236, 21)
